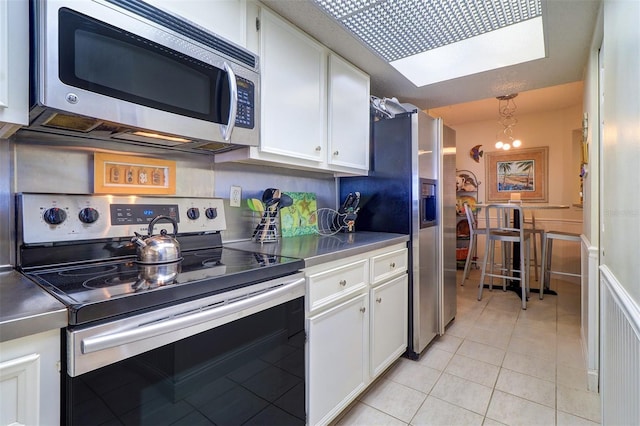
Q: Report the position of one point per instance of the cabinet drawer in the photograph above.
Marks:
(335, 283)
(388, 265)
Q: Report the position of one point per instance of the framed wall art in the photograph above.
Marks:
(523, 171)
(125, 174)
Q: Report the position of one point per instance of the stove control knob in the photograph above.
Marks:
(54, 216)
(211, 212)
(193, 213)
(88, 215)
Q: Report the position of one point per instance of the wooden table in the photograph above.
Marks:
(515, 285)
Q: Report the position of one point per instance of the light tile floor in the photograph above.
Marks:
(496, 364)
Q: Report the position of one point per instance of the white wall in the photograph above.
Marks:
(619, 221)
(620, 203)
(590, 245)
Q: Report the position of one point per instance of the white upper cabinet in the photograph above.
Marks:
(14, 66)
(226, 18)
(314, 105)
(293, 90)
(348, 115)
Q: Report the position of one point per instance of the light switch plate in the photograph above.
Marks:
(235, 196)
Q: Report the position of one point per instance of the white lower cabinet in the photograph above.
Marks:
(389, 322)
(356, 326)
(30, 380)
(338, 339)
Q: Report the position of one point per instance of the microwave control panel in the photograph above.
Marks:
(245, 115)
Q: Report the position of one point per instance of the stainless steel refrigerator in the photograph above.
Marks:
(411, 190)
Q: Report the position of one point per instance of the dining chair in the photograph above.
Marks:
(547, 251)
(474, 231)
(500, 219)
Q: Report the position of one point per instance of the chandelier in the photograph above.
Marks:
(506, 110)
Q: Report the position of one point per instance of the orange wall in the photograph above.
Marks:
(557, 130)
(560, 131)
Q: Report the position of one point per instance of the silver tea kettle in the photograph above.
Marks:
(156, 249)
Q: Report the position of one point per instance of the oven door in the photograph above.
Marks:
(225, 359)
(100, 61)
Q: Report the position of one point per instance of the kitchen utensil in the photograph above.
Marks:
(351, 202)
(255, 205)
(285, 201)
(269, 230)
(268, 194)
(156, 249)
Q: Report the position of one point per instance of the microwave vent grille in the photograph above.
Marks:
(180, 26)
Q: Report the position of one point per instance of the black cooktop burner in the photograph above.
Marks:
(109, 281)
(103, 290)
(88, 271)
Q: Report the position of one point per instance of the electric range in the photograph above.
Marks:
(219, 339)
(78, 248)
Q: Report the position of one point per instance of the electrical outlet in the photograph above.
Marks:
(235, 196)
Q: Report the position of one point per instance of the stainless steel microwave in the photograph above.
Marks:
(127, 70)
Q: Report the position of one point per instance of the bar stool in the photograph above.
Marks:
(503, 231)
(474, 231)
(530, 225)
(547, 249)
(537, 264)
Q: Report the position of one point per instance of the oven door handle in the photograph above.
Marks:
(98, 343)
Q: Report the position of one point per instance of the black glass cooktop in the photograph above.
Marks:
(103, 290)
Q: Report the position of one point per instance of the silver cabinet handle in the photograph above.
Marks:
(379, 300)
(98, 343)
(363, 309)
(393, 264)
(318, 148)
(343, 282)
(336, 153)
(233, 104)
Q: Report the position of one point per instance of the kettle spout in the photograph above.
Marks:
(138, 240)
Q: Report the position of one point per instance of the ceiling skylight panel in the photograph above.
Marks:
(341, 8)
(397, 29)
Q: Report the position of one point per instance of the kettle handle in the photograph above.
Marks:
(158, 219)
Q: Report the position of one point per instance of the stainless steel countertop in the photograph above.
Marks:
(317, 249)
(26, 309)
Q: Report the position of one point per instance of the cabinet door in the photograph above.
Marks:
(389, 304)
(293, 117)
(348, 115)
(30, 380)
(14, 66)
(337, 355)
(226, 18)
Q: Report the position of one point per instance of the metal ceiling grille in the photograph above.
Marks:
(395, 29)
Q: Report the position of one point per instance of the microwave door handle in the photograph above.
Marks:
(233, 104)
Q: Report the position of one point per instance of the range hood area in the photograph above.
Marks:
(46, 122)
